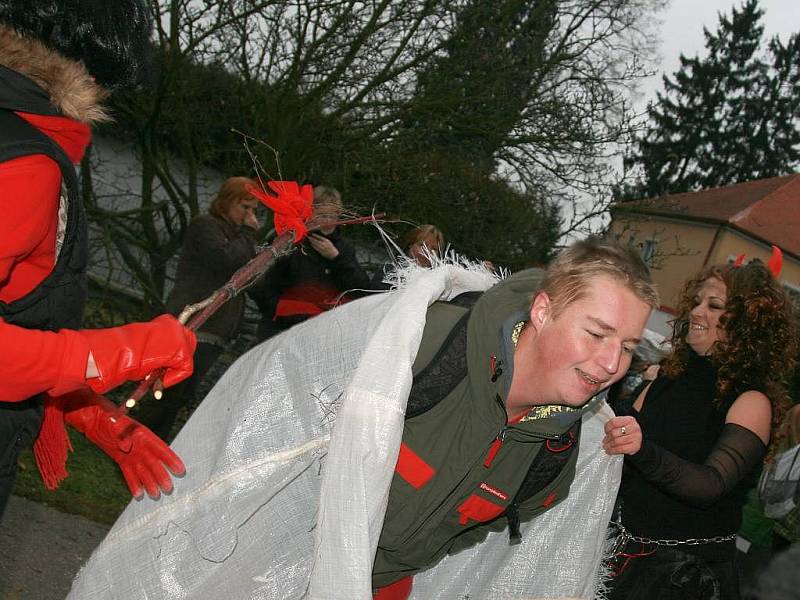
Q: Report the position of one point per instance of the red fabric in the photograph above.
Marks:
(493, 450)
(52, 446)
(399, 590)
(141, 455)
(478, 509)
(308, 298)
(414, 471)
(549, 500)
(33, 361)
(73, 137)
(292, 205)
(775, 263)
(131, 352)
(30, 187)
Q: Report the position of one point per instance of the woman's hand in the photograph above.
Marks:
(623, 436)
(323, 245)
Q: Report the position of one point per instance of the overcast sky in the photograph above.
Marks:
(683, 22)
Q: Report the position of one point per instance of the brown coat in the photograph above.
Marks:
(213, 250)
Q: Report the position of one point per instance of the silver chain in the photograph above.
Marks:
(627, 536)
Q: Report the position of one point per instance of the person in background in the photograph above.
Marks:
(58, 62)
(216, 245)
(418, 244)
(705, 422)
(315, 277)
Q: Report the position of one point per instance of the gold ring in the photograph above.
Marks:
(622, 430)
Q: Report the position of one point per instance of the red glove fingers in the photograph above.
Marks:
(141, 478)
(131, 352)
(141, 455)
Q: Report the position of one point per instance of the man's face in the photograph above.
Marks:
(587, 347)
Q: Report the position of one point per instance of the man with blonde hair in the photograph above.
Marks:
(496, 444)
(430, 432)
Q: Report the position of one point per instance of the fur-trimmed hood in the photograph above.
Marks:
(71, 88)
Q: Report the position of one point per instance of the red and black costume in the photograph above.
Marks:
(305, 284)
(43, 256)
(38, 294)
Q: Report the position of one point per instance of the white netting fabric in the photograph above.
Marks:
(279, 504)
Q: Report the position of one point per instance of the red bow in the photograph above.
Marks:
(292, 205)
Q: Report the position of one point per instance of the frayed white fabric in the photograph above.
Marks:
(278, 503)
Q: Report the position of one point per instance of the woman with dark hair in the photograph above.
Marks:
(705, 425)
(214, 247)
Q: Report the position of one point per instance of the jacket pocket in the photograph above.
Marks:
(412, 469)
(478, 509)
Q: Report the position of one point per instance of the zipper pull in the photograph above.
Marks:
(565, 442)
(494, 448)
(496, 367)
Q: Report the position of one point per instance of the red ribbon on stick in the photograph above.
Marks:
(292, 205)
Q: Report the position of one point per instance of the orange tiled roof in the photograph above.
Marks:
(768, 209)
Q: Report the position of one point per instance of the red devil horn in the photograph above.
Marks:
(739, 260)
(775, 262)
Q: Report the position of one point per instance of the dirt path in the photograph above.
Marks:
(41, 550)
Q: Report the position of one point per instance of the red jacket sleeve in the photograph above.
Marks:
(33, 361)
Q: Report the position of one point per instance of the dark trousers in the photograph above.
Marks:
(670, 574)
(19, 426)
(159, 415)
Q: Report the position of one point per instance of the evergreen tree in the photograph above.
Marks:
(729, 117)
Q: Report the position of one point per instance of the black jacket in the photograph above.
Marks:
(306, 266)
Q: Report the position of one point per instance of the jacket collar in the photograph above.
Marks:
(39, 80)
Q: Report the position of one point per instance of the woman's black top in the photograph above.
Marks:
(690, 478)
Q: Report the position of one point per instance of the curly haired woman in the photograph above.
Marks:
(705, 426)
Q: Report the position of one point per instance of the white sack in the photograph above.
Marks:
(277, 504)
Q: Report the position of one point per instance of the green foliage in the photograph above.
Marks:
(725, 118)
(482, 217)
(95, 488)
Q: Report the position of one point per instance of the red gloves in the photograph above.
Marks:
(131, 352)
(141, 455)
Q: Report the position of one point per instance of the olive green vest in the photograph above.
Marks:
(461, 465)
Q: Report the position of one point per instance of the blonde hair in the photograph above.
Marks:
(232, 190)
(327, 196)
(424, 232)
(569, 275)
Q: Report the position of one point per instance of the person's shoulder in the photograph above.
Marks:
(522, 282)
(206, 218)
(753, 399)
(512, 294)
(752, 410)
(205, 223)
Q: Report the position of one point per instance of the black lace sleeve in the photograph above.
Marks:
(737, 452)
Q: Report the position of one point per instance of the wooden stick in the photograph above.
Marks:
(195, 315)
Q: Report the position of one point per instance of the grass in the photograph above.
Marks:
(95, 488)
